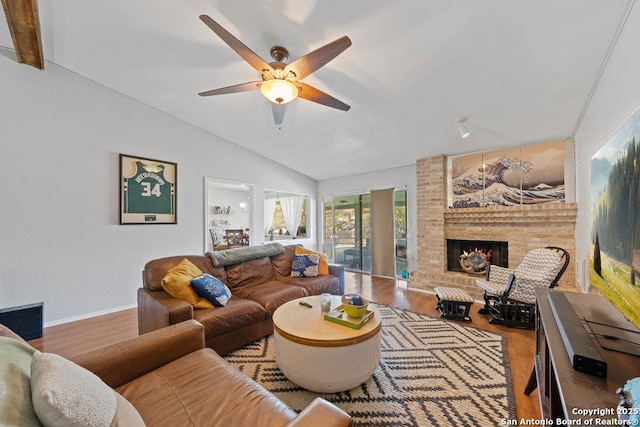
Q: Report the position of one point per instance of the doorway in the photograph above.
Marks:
(228, 206)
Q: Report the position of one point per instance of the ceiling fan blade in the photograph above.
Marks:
(242, 87)
(278, 112)
(310, 93)
(247, 54)
(312, 61)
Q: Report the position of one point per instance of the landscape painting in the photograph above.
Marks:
(615, 213)
(525, 175)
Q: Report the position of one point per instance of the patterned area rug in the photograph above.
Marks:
(432, 373)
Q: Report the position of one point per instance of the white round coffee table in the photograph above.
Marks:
(320, 355)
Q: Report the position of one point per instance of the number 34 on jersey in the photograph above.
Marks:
(148, 191)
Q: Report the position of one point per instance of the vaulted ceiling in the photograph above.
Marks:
(521, 71)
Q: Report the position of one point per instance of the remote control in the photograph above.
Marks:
(306, 304)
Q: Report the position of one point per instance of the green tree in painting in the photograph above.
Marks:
(597, 262)
(617, 213)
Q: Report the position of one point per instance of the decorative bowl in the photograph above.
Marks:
(354, 310)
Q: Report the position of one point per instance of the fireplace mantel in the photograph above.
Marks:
(539, 214)
(523, 227)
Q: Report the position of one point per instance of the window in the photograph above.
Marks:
(285, 215)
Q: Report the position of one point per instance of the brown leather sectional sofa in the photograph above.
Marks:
(258, 286)
(171, 379)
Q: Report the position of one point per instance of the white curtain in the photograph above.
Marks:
(269, 209)
(292, 211)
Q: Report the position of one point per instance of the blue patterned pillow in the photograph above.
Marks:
(305, 265)
(211, 289)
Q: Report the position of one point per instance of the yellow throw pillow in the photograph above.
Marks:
(177, 283)
(323, 265)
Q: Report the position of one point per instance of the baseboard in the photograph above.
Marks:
(89, 315)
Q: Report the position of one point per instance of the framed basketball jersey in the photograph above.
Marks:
(147, 191)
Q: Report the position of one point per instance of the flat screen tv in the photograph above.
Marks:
(615, 214)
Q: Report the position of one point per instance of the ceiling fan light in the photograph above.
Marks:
(279, 91)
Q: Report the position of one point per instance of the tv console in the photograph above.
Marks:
(564, 392)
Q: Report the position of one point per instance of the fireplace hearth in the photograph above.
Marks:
(476, 255)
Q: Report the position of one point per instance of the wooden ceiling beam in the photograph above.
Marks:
(24, 25)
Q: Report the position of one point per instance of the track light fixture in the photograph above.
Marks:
(462, 127)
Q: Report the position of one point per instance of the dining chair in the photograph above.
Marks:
(234, 237)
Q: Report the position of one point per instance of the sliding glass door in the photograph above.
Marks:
(400, 231)
(347, 231)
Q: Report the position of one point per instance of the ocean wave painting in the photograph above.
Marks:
(517, 176)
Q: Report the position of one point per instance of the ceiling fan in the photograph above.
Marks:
(280, 82)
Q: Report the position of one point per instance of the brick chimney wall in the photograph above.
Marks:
(523, 227)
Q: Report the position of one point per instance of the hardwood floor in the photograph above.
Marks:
(71, 339)
(521, 344)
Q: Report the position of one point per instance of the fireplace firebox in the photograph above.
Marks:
(476, 255)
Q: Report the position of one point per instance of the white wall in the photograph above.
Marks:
(363, 183)
(60, 238)
(615, 100)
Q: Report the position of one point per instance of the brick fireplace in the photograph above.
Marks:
(523, 227)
